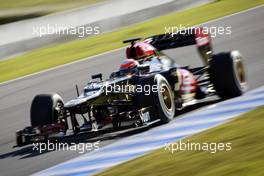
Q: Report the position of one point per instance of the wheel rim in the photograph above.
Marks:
(59, 108)
(240, 72)
(166, 97)
(166, 100)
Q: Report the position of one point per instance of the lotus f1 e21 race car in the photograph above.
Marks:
(116, 103)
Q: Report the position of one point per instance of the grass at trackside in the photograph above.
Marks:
(245, 158)
(42, 59)
(14, 10)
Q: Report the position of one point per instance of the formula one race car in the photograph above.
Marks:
(149, 87)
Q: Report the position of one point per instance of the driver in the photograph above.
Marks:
(145, 53)
(128, 67)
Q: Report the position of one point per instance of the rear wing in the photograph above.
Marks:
(194, 36)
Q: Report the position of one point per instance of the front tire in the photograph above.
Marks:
(45, 109)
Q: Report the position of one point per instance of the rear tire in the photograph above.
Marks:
(227, 74)
(45, 109)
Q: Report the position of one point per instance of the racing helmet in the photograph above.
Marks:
(128, 66)
(140, 50)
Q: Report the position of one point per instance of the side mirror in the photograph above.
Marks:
(98, 76)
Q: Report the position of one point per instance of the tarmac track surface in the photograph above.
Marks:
(15, 96)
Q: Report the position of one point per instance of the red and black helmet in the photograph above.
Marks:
(140, 50)
(128, 66)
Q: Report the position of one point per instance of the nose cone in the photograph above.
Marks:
(74, 102)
